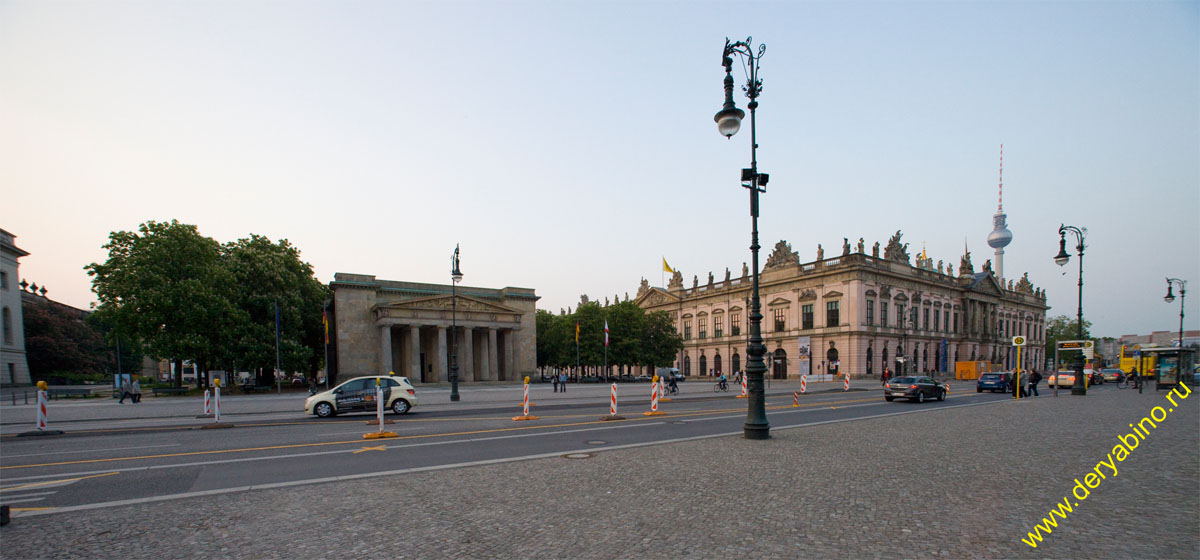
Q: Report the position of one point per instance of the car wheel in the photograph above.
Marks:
(920, 396)
(941, 395)
(978, 390)
(400, 406)
(324, 410)
(888, 399)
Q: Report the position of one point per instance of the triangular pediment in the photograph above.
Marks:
(655, 297)
(779, 301)
(833, 294)
(444, 302)
(985, 283)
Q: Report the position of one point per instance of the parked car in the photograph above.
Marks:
(358, 395)
(994, 382)
(915, 388)
(643, 377)
(1095, 378)
(1111, 374)
(1064, 378)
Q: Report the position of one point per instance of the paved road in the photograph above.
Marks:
(954, 481)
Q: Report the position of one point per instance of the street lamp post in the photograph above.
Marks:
(1169, 298)
(455, 278)
(1079, 388)
(729, 120)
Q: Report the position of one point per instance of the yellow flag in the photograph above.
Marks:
(667, 267)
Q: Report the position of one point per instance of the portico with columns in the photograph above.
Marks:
(403, 327)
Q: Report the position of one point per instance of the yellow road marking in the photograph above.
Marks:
(380, 448)
(49, 482)
(31, 509)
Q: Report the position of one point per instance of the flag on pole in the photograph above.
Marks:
(606, 332)
(667, 267)
(325, 323)
(576, 332)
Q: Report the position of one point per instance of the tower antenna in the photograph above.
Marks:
(1000, 201)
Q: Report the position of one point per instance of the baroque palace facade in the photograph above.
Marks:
(382, 326)
(855, 314)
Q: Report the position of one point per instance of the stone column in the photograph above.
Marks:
(493, 359)
(413, 354)
(385, 349)
(509, 360)
(485, 366)
(440, 367)
(466, 362)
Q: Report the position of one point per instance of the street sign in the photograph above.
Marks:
(1018, 341)
(1070, 345)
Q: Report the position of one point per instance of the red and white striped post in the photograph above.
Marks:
(744, 394)
(207, 403)
(795, 398)
(846, 383)
(803, 383)
(217, 400)
(655, 391)
(612, 406)
(379, 403)
(41, 405)
(662, 389)
(525, 403)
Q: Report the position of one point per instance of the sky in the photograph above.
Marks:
(569, 146)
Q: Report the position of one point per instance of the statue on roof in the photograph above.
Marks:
(676, 280)
(964, 266)
(783, 255)
(845, 246)
(895, 251)
(861, 245)
(875, 250)
(820, 252)
(643, 288)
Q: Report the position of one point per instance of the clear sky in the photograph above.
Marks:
(569, 146)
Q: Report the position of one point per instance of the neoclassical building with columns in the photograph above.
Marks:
(381, 326)
(855, 313)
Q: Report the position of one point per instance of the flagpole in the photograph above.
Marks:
(278, 388)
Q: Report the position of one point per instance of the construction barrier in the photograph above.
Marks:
(803, 383)
(525, 403)
(795, 398)
(655, 391)
(846, 383)
(217, 400)
(207, 403)
(379, 414)
(662, 389)
(41, 409)
(744, 393)
(612, 405)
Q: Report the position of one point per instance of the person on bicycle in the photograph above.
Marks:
(723, 381)
(672, 385)
(1134, 377)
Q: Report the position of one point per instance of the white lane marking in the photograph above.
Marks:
(7, 456)
(7, 501)
(102, 505)
(318, 453)
(27, 494)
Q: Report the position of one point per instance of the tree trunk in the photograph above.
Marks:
(178, 363)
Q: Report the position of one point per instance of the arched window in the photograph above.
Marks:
(779, 368)
(703, 364)
(885, 356)
(717, 363)
(687, 365)
(831, 361)
(870, 359)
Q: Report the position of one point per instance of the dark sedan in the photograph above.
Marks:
(993, 382)
(915, 388)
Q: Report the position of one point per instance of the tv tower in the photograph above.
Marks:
(1000, 236)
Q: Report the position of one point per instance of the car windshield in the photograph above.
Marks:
(901, 380)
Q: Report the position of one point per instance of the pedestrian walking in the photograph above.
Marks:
(126, 391)
(554, 381)
(136, 390)
(1034, 379)
(562, 381)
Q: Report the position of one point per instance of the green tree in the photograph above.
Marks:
(267, 274)
(165, 285)
(59, 339)
(660, 343)
(1064, 327)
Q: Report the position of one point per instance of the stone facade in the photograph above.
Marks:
(855, 312)
(382, 326)
(14, 368)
